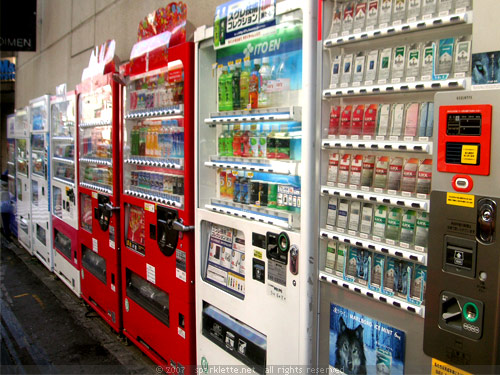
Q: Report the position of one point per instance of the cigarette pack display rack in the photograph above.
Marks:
(158, 200)
(41, 232)
(256, 189)
(99, 123)
(64, 188)
(381, 63)
(23, 191)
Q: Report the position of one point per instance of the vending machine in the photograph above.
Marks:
(157, 200)
(11, 170)
(256, 198)
(99, 120)
(381, 64)
(64, 191)
(23, 190)
(41, 232)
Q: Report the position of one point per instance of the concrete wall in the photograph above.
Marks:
(67, 30)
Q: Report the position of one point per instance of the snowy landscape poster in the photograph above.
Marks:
(363, 345)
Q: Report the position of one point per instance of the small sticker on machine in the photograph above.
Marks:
(151, 273)
(94, 245)
(277, 272)
(462, 200)
(180, 264)
(149, 207)
(469, 154)
(276, 291)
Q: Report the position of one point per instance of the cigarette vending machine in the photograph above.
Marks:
(382, 63)
(99, 106)
(255, 187)
(158, 204)
(23, 191)
(11, 169)
(64, 189)
(41, 232)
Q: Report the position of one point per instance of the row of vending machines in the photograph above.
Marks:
(262, 198)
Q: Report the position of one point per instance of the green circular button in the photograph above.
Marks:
(283, 242)
(471, 312)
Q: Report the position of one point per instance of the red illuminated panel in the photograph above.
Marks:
(458, 135)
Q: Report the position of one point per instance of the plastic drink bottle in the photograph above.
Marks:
(217, 29)
(254, 85)
(265, 76)
(142, 140)
(229, 89)
(244, 85)
(254, 141)
(222, 144)
(228, 142)
(222, 90)
(236, 141)
(245, 142)
(135, 140)
(236, 85)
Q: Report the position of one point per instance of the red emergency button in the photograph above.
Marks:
(462, 183)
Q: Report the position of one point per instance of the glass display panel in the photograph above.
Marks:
(62, 243)
(22, 156)
(38, 154)
(96, 106)
(63, 119)
(135, 228)
(57, 202)
(96, 156)
(41, 234)
(34, 192)
(86, 212)
(39, 116)
(157, 90)
(149, 297)
(19, 188)
(94, 263)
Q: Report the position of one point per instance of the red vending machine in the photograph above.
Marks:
(99, 120)
(157, 201)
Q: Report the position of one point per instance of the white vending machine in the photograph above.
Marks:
(256, 199)
(11, 170)
(23, 191)
(381, 64)
(63, 169)
(41, 235)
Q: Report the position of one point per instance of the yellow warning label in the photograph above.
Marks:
(149, 207)
(469, 154)
(257, 254)
(462, 200)
(441, 368)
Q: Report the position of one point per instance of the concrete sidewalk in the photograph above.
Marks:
(46, 329)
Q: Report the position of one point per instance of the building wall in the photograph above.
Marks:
(67, 30)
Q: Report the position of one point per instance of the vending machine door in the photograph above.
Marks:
(158, 208)
(99, 105)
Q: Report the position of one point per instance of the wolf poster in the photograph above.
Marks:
(361, 345)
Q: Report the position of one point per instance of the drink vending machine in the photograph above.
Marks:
(255, 188)
(64, 188)
(157, 201)
(23, 191)
(99, 121)
(381, 64)
(11, 170)
(41, 232)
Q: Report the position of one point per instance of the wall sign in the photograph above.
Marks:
(18, 25)
(8, 69)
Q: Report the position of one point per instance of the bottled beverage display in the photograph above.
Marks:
(265, 76)
(260, 140)
(157, 139)
(158, 91)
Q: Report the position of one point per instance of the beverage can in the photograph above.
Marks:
(222, 184)
(236, 191)
(230, 181)
(254, 193)
(244, 191)
(272, 195)
(263, 193)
